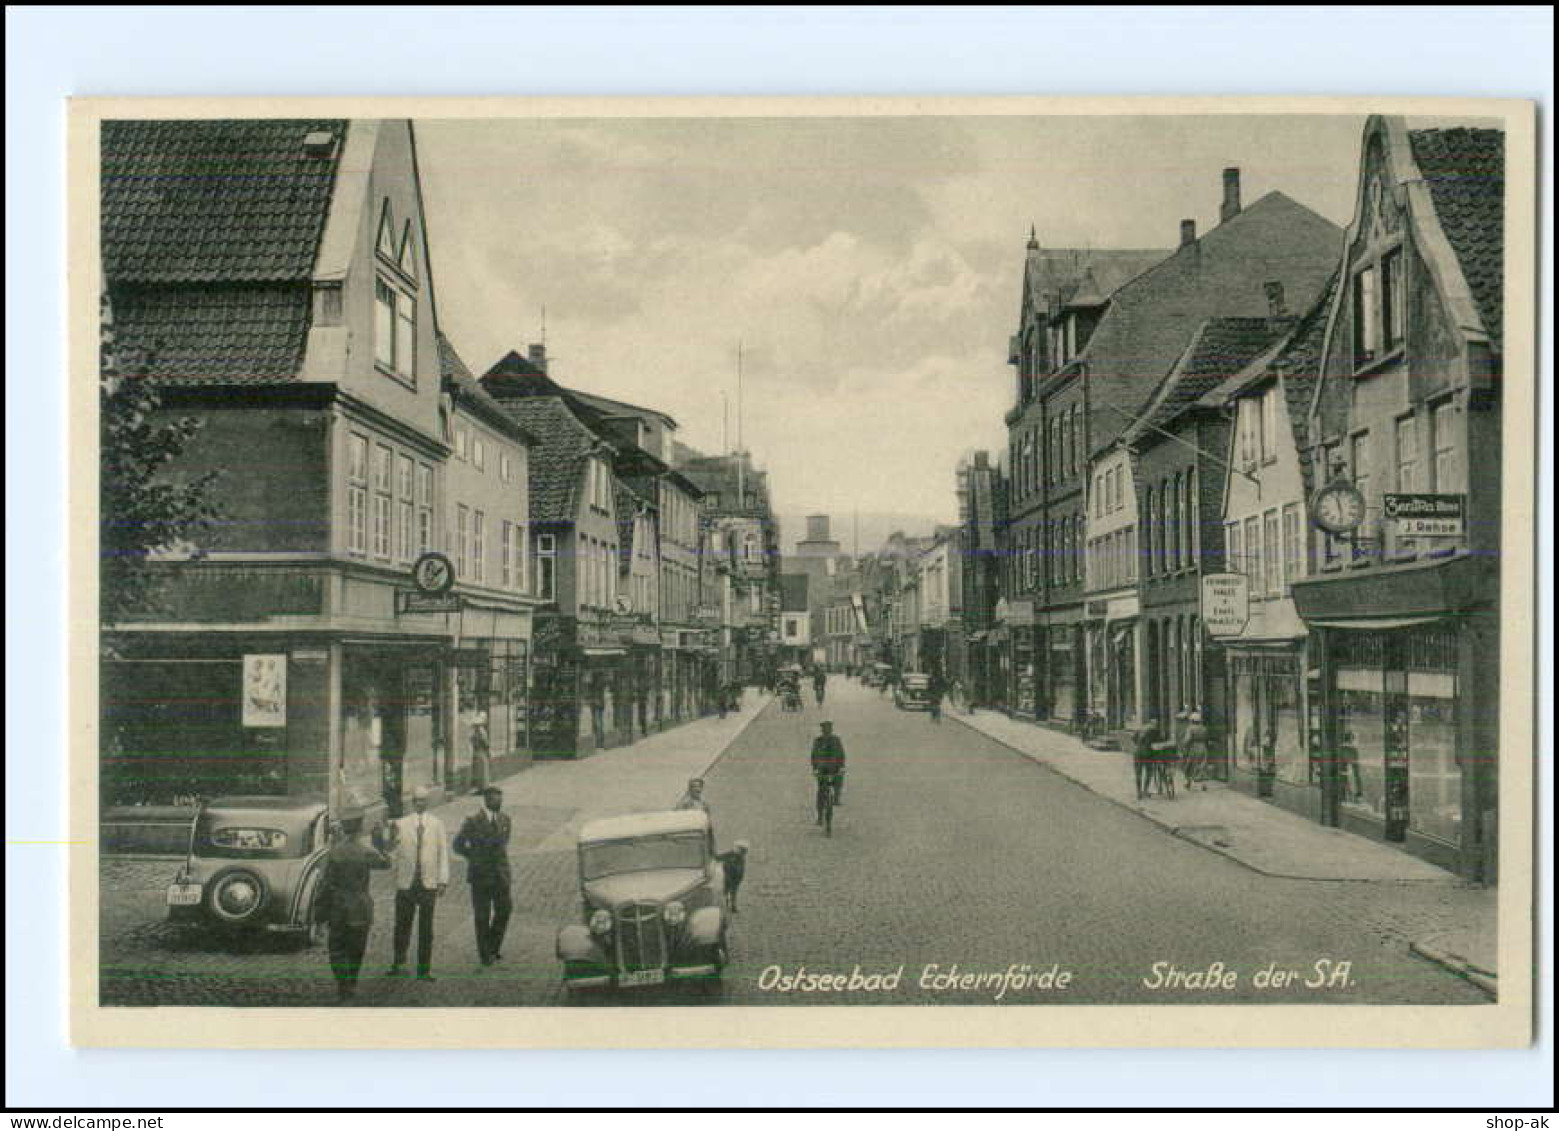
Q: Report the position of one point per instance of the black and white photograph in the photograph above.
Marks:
(603, 567)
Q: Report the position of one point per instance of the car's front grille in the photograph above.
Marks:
(641, 937)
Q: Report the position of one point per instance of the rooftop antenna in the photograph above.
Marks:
(741, 485)
(725, 422)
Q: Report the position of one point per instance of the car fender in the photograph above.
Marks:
(704, 926)
(577, 944)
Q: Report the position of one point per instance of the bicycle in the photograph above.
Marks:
(827, 798)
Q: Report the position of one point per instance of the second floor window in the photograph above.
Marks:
(405, 525)
(1360, 461)
(1407, 454)
(478, 546)
(1291, 546)
(1234, 547)
(546, 566)
(383, 461)
(1272, 557)
(424, 508)
(357, 494)
(1442, 426)
(462, 532)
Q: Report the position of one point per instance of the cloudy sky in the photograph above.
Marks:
(870, 267)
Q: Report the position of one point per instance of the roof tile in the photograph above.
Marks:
(1465, 172)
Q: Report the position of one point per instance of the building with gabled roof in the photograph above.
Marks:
(273, 278)
(1403, 436)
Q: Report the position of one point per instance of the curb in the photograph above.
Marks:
(1175, 830)
(1488, 983)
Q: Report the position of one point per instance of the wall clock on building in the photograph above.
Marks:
(1338, 508)
(433, 573)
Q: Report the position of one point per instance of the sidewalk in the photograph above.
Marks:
(548, 801)
(1270, 840)
(1257, 834)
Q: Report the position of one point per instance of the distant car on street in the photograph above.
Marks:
(653, 903)
(878, 675)
(254, 864)
(912, 693)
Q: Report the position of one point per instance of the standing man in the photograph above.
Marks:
(421, 850)
(346, 906)
(934, 692)
(484, 841)
(819, 684)
(481, 751)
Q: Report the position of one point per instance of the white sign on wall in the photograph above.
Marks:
(265, 691)
(1225, 603)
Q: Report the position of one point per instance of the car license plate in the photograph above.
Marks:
(183, 895)
(641, 978)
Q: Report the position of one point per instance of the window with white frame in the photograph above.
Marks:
(1269, 427)
(1292, 560)
(1234, 548)
(424, 508)
(1361, 464)
(478, 546)
(405, 526)
(1271, 554)
(505, 467)
(506, 554)
(1442, 426)
(1407, 454)
(478, 452)
(1393, 300)
(357, 494)
(546, 566)
(1253, 553)
(462, 441)
(395, 327)
(462, 532)
(384, 461)
(1366, 317)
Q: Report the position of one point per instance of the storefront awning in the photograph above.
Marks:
(1365, 624)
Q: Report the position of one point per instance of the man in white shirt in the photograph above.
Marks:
(421, 852)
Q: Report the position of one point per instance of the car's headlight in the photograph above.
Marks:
(600, 921)
(675, 913)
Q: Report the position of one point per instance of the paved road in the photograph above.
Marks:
(951, 850)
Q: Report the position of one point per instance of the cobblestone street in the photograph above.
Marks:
(951, 849)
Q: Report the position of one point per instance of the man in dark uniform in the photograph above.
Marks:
(828, 760)
(484, 841)
(345, 903)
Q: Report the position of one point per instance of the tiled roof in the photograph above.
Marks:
(556, 458)
(456, 375)
(1068, 272)
(1153, 318)
(1223, 346)
(243, 335)
(1465, 172)
(610, 407)
(219, 201)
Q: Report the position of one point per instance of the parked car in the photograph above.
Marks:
(254, 864)
(911, 693)
(653, 904)
(879, 675)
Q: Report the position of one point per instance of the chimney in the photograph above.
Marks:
(1276, 311)
(1187, 232)
(1231, 196)
(538, 356)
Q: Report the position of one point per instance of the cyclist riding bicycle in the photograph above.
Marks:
(828, 765)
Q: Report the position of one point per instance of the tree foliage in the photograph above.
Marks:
(146, 506)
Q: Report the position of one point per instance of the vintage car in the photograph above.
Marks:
(653, 903)
(912, 693)
(254, 864)
(879, 675)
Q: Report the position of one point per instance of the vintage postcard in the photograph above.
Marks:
(749, 573)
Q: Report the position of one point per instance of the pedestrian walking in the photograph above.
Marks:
(1194, 750)
(346, 906)
(734, 864)
(484, 842)
(1142, 757)
(481, 751)
(934, 691)
(420, 848)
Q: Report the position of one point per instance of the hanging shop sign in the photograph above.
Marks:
(265, 691)
(1225, 603)
(1427, 516)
